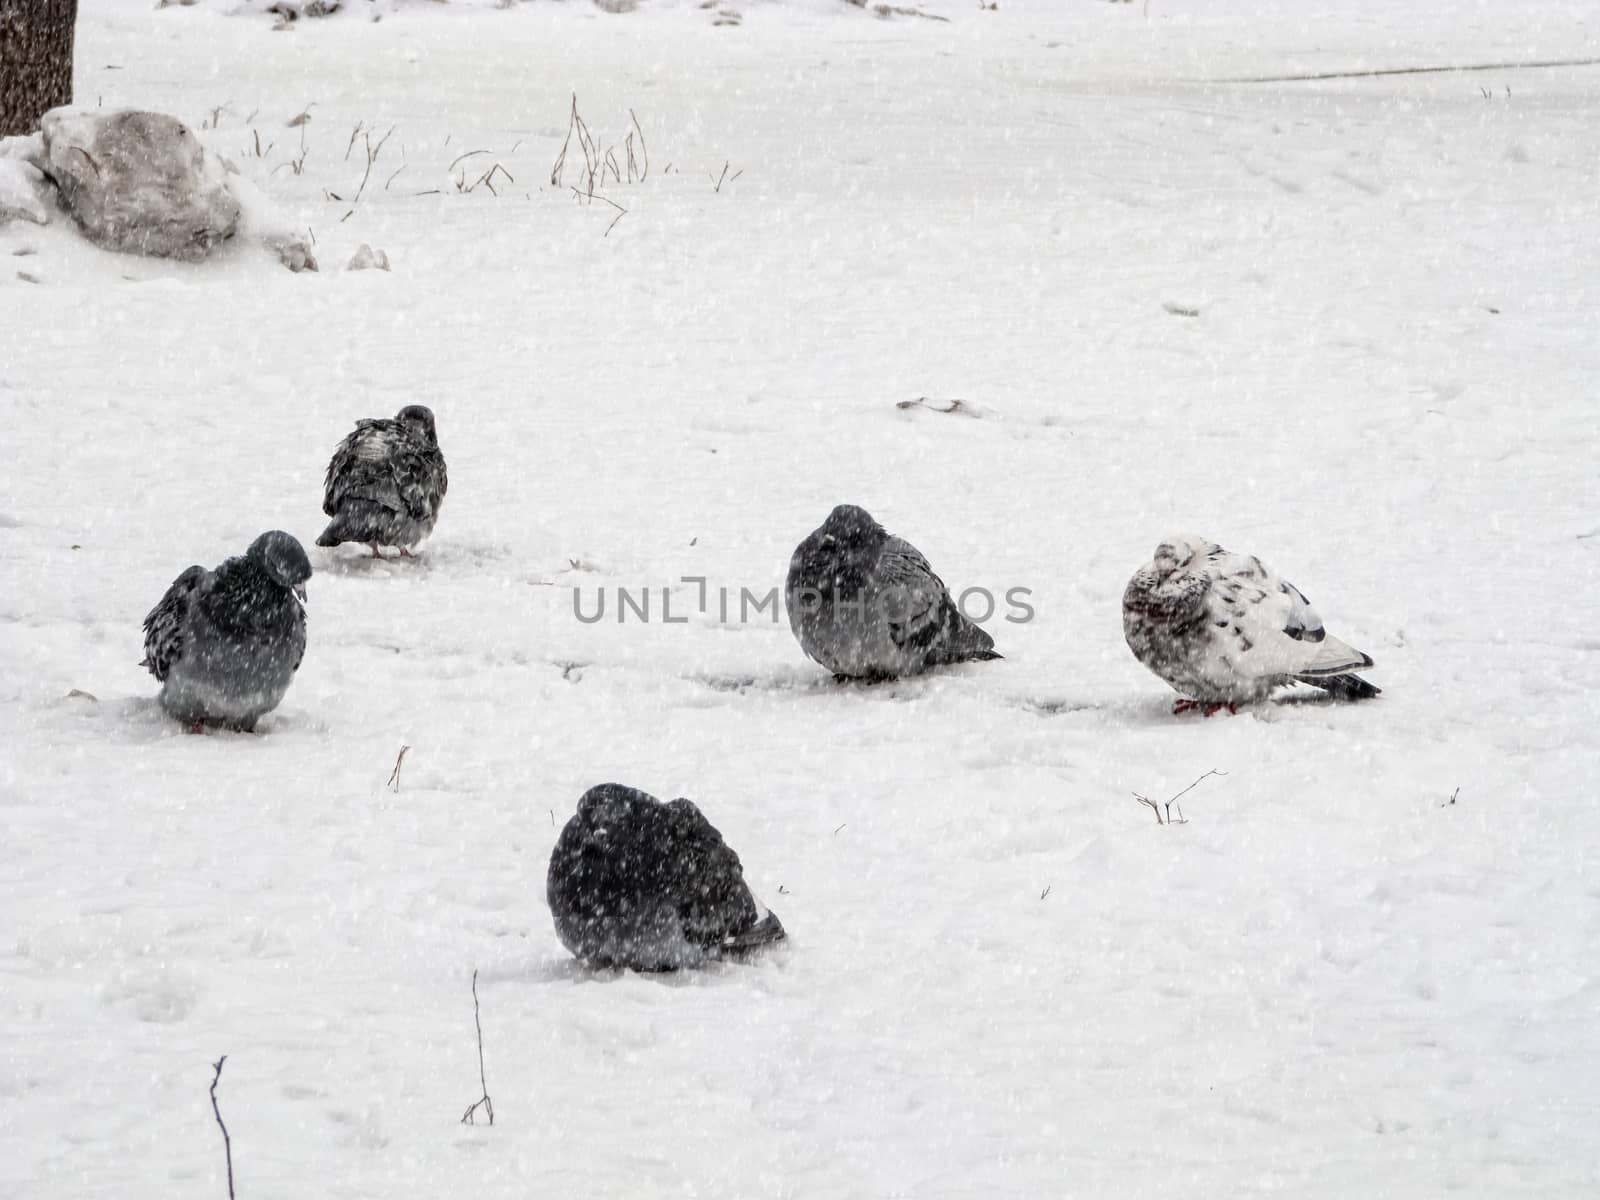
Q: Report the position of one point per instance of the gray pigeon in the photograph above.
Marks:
(637, 883)
(385, 483)
(226, 643)
(1223, 630)
(867, 605)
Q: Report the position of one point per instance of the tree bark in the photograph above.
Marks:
(35, 60)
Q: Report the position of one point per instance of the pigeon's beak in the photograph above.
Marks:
(300, 593)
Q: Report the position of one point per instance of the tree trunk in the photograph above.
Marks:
(35, 60)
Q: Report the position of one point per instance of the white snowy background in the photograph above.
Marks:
(1004, 978)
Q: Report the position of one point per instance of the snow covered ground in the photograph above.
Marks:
(1348, 325)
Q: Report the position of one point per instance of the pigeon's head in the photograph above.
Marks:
(612, 804)
(284, 560)
(420, 418)
(1178, 552)
(849, 527)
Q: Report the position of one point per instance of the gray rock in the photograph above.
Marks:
(139, 182)
(294, 253)
(368, 259)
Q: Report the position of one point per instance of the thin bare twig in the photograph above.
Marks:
(621, 212)
(459, 157)
(644, 150)
(601, 163)
(1166, 806)
(1534, 65)
(1198, 782)
(394, 777)
(573, 122)
(467, 1118)
(484, 180)
(227, 1142)
(372, 157)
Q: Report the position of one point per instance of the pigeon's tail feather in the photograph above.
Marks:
(352, 524)
(1345, 687)
(971, 644)
(747, 941)
(1334, 657)
(964, 641)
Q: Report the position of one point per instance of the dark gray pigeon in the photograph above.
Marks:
(637, 883)
(385, 483)
(226, 643)
(867, 605)
(1223, 630)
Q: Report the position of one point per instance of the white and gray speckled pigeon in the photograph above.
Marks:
(385, 483)
(1223, 630)
(637, 883)
(866, 604)
(226, 643)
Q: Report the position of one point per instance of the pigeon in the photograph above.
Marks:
(637, 883)
(226, 643)
(866, 604)
(385, 483)
(1224, 630)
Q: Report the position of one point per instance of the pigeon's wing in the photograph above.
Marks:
(1266, 626)
(364, 467)
(714, 904)
(922, 616)
(163, 627)
(419, 478)
(916, 597)
(341, 469)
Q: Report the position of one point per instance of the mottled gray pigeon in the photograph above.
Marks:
(637, 883)
(1223, 630)
(226, 643)
(385, 483)
(867, 605)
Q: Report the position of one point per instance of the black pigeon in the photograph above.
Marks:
(385, 483)
(1224, 630)
(637, 883)
(226, 643)
(866, 604)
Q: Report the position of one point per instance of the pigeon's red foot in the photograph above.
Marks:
(1209, 709)
(373, 546)
(404, 553)
(194, 726)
